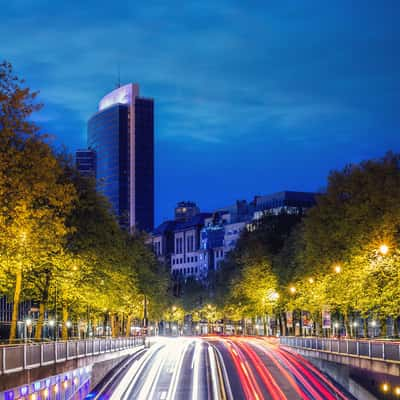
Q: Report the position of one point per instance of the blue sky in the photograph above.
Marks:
(251, 97)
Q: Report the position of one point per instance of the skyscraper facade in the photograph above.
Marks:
(121, 134)
(86, 162)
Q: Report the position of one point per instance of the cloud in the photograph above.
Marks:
(215, 71)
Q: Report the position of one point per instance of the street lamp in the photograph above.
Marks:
(273, 296)
(292, 289)
(373, 324)
(51, 325)
(385, 387)
(336, 326)
(28, 324)
(355, 324)
(383, 249)
(337, 268)
(311, 280)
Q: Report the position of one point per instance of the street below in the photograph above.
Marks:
(220, 368)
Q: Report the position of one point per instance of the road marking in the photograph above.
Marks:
(163, 395)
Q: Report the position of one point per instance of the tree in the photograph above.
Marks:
(34, 202)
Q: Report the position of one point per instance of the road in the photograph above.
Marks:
(231, 368)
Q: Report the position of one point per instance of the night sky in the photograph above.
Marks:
(251, 97)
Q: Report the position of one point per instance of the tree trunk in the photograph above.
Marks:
(346, 324)
(39, 325)
(282, 322)
(42, 307)
(113, 326)
(301, 323)
(64, 329)
(16, 301)
(265, 324)
(383, 331)
(128, 326)
(365, 326)
(396, 327)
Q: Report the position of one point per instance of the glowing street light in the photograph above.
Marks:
(292, 289)
(397, 391)
(311, 280)
(337, 268)
(383, 249)
(273, 296)
(52, 322)
(68, 324)
(385, 387)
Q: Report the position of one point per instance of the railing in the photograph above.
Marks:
(379, 350)
(27, 356)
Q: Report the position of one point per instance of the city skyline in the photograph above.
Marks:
(249, 100)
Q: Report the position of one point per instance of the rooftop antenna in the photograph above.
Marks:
(119, 77)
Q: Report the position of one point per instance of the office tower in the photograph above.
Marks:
(121, 134)
(86, 162)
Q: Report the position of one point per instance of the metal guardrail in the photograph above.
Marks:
(379, 350)
(27, 356)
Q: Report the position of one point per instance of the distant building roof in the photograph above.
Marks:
(164, 227)
(194, 221)
(174, 225)
(285, 198)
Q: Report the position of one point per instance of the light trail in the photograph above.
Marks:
(196, 370)
(225, 377)
(249, 383)
(133, 374)
(150, 384)
(177, 370)
(269, 382)
(288, 377)
(311, 377)
(200, 369)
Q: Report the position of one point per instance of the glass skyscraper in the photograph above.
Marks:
(121, 134)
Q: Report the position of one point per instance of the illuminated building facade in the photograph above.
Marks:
(195, 243)
(121, 134)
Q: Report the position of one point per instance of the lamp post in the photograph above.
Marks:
(272, 297)
(355, 324)
(292, 291)
(373, 324)
(28, 324)
(336, 327)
